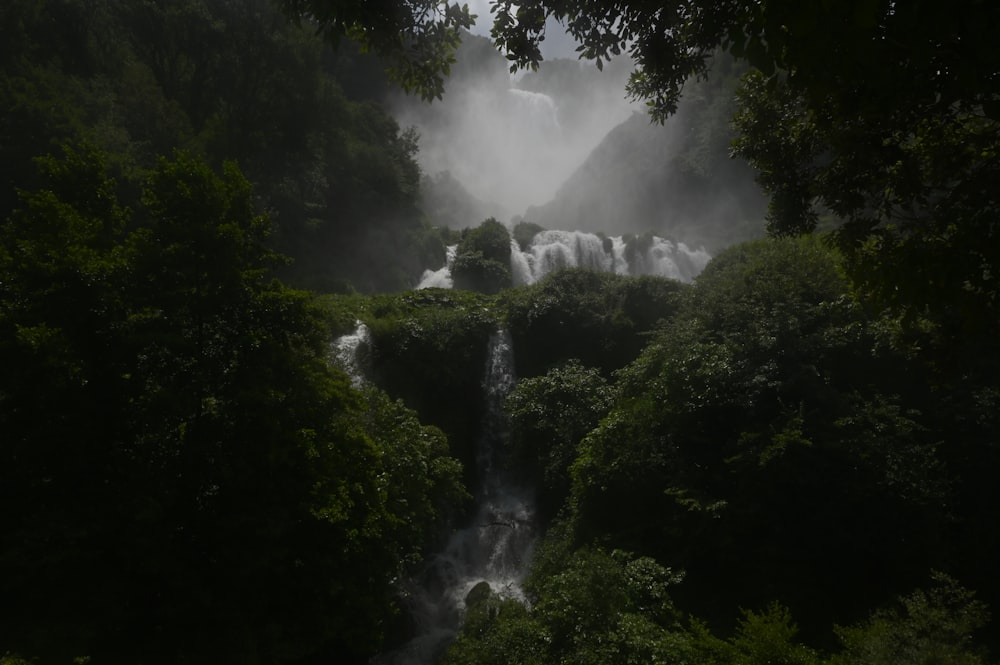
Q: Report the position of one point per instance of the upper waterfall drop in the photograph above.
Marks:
(537, 108)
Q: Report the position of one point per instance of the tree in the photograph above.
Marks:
(761, 638)
(417, 38)
(946, 47)
(482, 260)
(907, 184)
(227, 80)
(183, 475)
(598, 608)
(766, 441)
(598, 318)
(549, 416)
(61, 273)
(936, 625)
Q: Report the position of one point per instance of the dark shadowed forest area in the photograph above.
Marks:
(295, 369)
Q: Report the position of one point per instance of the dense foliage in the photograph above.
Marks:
(182, 473)
(597, 318)
(549, 416)
(482, 261)
(227, 81)
(742, 421)
(792, 460)
(417, 38)
(609, 608)
(429, 351)
(775, 448)
(774, 445)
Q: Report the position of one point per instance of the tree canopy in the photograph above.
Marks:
(865, 51)
(180, 466)
(417, 38)
(229, 81)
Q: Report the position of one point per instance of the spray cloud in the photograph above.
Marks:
(511, 141)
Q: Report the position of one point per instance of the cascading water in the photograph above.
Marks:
(352, 353)
(495, 548)
(553, 250)
(440, 278)
(538, 107)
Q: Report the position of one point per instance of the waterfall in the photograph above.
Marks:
(538, 108)
(553, 250)
(352, 352)
(494, 548)
(441, 277)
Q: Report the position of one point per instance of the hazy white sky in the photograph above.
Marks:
(557, 43)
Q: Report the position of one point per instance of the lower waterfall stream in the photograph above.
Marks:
(494, 548)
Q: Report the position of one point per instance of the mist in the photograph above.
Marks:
(564, 148)
(511, 141)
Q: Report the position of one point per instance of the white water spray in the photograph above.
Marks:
(554, 250)
(440, 278)
(352, 352)
(538, 109)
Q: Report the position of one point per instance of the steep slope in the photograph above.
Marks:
(676, 180)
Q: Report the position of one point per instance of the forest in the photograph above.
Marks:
(784, 454)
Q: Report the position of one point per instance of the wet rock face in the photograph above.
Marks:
(479, 594)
